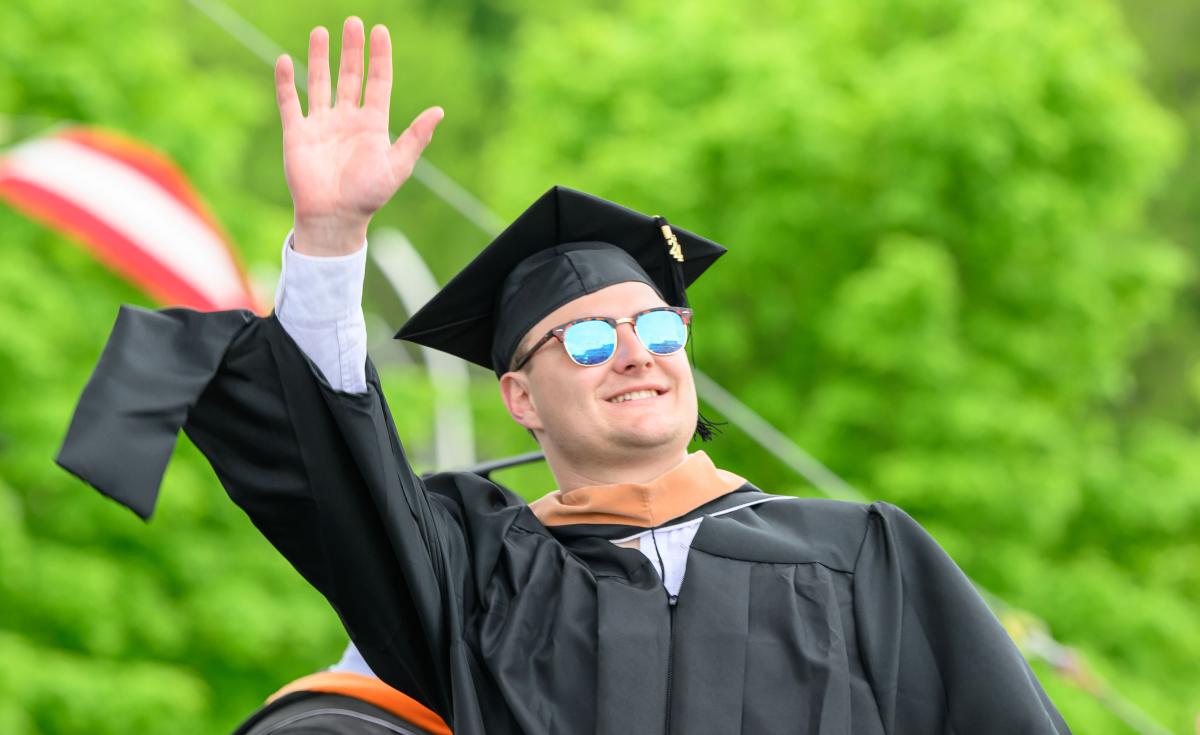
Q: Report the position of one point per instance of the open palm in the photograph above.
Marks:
(339, 161)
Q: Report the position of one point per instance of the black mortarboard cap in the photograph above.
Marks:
(565, 245)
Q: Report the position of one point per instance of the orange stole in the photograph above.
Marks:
(687, 486)
(371, 690)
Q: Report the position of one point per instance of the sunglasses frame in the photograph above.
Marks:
(560, 332)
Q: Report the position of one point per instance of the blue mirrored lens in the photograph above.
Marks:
(590, 342)
(662, 332)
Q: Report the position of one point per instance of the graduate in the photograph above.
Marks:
(651, 592)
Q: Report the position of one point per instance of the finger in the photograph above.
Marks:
(350, 73)
(285, 91)
(407, 149)
(318, 69)
(379, 71)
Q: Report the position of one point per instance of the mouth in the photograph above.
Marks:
(635, 396)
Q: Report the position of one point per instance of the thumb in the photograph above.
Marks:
(407, 149)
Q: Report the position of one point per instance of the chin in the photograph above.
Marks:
(651, 437)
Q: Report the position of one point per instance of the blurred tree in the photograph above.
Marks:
(1169, 369)
(940, 273)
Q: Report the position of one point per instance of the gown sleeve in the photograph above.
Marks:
(938, 659)
(320, 472)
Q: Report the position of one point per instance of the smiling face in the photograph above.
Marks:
(634, 406)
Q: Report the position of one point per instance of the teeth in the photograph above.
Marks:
(633, 396)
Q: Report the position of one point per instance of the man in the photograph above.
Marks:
(650, 593)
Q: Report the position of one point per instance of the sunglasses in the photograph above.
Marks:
(592, 340)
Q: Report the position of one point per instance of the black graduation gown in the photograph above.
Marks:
(795, 615)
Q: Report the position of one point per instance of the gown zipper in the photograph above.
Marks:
(671, 601)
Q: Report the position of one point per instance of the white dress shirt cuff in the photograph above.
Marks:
(331, 286)
(319, 303)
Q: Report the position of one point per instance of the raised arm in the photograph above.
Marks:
(320, 472)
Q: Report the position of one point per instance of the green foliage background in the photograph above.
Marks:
(961, 272)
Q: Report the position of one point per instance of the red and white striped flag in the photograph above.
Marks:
(134, 209)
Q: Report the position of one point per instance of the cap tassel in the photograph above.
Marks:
(674, 261)
(706, 428)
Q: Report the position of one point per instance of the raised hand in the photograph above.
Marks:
(339, 161)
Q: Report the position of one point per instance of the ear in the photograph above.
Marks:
(514, 389)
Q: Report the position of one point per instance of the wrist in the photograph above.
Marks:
(328, 237)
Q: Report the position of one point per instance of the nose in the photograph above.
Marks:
(631, 354)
